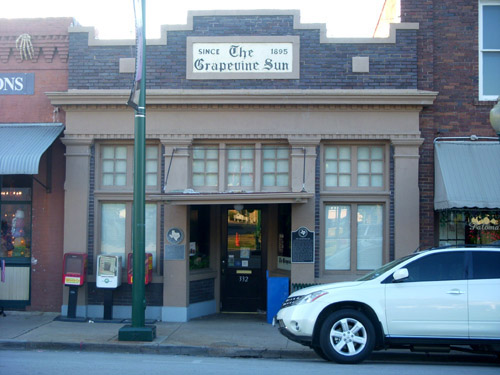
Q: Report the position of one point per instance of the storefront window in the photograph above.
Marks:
(353, 242)
(475, 227)
(15, 211)
(199, 235)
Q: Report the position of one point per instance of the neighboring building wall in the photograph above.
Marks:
(447, 63)
(49, 38)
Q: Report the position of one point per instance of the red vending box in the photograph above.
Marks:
(148, 265)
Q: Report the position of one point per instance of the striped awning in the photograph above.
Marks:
(467, 175)
(22, 146)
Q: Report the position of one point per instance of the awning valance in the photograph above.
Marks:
(467, 175)
(22, 146)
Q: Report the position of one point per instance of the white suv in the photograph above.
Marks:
(438, 298)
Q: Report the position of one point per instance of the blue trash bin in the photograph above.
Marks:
(277, 293)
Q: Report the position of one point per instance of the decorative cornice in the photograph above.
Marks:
(297, 25)
(370, 98)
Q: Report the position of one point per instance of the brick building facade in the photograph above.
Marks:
(32, 275)
(448, 45)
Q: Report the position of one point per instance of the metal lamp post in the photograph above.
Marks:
(495, 118)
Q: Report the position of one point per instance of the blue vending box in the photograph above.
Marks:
(277, 293)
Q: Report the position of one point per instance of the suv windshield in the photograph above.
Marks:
(379, 271)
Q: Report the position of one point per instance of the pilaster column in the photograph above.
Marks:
(177, 160)
(406, 196)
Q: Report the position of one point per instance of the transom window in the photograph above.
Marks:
(205, 166)
(354, 166)
(117, 166)
(240, 166)
(275, 166)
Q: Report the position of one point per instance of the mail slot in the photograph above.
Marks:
(109, 271)
(74, 269)
(148, 271)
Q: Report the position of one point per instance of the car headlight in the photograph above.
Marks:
(308, 298)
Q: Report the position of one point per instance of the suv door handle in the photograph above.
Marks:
(455, 291)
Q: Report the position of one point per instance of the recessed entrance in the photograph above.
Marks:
(243, 287)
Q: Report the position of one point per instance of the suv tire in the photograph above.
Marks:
(347, 336)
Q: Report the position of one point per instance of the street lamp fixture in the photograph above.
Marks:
(495, 118)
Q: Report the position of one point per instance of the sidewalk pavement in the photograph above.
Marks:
(221, 335)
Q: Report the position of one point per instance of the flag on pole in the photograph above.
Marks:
(133, 100)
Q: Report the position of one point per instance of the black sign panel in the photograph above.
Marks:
(302, 246)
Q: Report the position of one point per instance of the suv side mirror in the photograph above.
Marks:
(400, 274)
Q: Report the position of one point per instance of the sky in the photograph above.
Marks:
(114, 19)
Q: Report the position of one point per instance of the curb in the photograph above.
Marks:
(148, 348)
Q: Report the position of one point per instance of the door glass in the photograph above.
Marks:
(244, 239)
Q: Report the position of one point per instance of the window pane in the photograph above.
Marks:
(491, 73)
(345, 180)
(282, 180)
(212, 154)
(269, 166)
(151, 166)
(16, 230)
(151, 180)
(198, 180)
(377, 167)
(282, 166)
(370, 237)
(364, 153)
(247, 166)
(363, 180)
(247, 154)
(331, 153)
(331, 180)
(121, 166)
(151, 152)
(107, 166)
(121, 180)
(113, 219)
(345, 153)
(437, 267)
(331, 167)
(246, 180)
(150, 231)
(377, 181)
(485, 265)
(198, 166)
(233, 153)
(121, 152)
(491, 27)
(377, 153)
(233, 166)
(337, 237)
(108, 152)
(363, 167)
(212, 180)
(212, 167)
(269, 153)
(269, 180)
(198, 153)
(233, 180)
(107, 179)
(345, 167)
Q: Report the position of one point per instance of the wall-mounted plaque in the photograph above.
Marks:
(302, 246)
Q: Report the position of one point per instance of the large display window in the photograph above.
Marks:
(469, 227)
(15, 212)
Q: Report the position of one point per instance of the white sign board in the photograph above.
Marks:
(243, 58)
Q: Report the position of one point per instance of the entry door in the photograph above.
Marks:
(243, 287)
